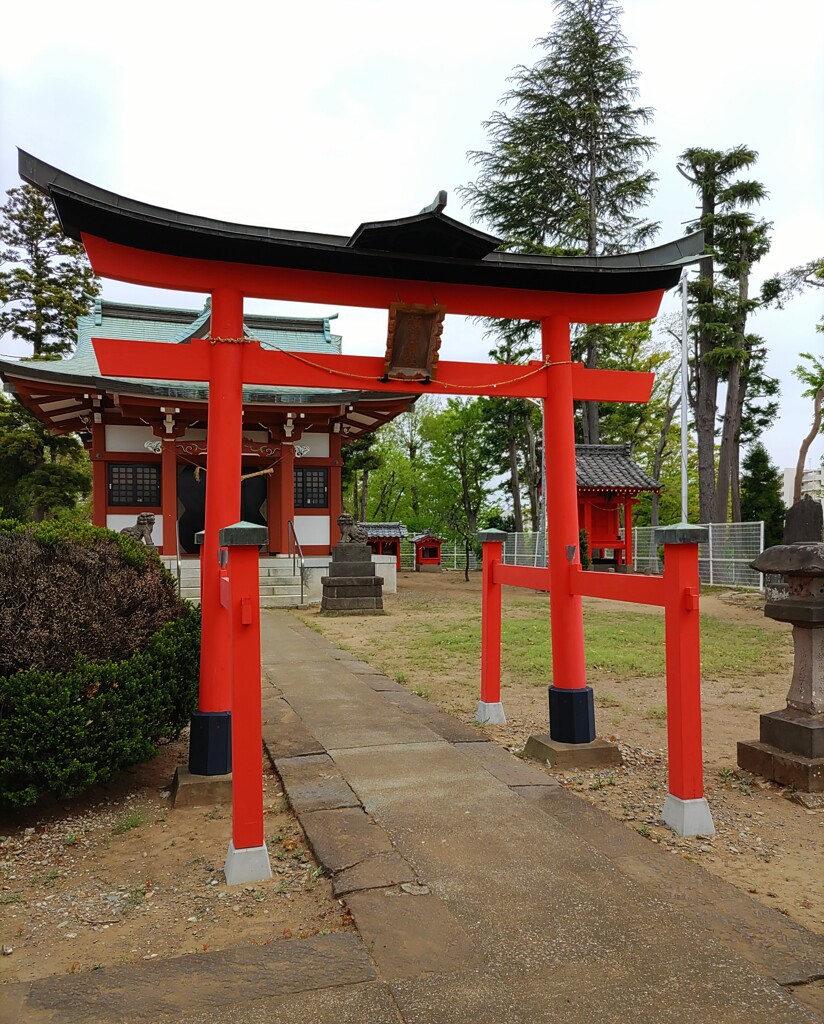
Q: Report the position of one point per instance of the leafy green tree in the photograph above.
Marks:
(40, 473)
(459, 469)
(49, 283)
(723, 349)
(567, 164)
(398, 485)
(360, 457)
(761, 494)
(512, 435)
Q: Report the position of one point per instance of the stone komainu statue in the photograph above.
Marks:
(142, 530)
(350, 532)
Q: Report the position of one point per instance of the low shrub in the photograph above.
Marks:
(99, 657)
(61, 732)
(68, 588)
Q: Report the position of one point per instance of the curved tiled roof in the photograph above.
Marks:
(428, 246)
(609, 467)
(384, 530)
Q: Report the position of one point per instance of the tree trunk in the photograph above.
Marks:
(466, 563)
(591, 415)
(734, 406)
(728, 431)
(364, 496)
(805, 445)
(735, 460)
(532, 472)
(514, 475)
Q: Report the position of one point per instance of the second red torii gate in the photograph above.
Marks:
(425, 260)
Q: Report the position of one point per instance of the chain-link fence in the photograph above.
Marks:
(724, 560)
(525, 549)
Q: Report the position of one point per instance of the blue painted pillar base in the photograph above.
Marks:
(210, 743)
(571, 715)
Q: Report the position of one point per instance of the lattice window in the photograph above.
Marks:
(311, 487)
(134, 483)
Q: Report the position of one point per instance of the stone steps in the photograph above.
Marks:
(279, 587)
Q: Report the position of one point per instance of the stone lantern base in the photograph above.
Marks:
(790, 750)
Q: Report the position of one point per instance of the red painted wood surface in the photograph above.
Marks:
(618, 586)
(222, 494)
(683, 641)
(168, 495)
(158, 270)
(247, 774)
(533, 577)
(563, 542)
(491, 623)
(192, 362)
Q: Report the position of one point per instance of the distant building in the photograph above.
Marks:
(812, 483)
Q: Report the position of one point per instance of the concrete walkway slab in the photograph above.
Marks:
(168, 989)
(566, 922)
(354, 1004)
(313, 783)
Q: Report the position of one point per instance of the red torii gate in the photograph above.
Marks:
(423, 261)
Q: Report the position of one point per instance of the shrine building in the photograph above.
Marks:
(609, 483)
(148, 439)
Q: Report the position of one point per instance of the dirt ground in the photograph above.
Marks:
(764, 843)
(116, 876)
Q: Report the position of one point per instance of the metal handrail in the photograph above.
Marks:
(177, 559)
(294, 549)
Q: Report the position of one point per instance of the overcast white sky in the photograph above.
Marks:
(322, 115)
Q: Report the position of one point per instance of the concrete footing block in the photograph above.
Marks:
(573, 756)
(248, 865)
(189, 790)
(490, 713)
(688, 817)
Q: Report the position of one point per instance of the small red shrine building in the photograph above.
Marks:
(609, 483)
(148, 439)
(427, 552)
(385, 539)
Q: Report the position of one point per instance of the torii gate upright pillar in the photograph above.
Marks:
(210, 746)
(571, 705)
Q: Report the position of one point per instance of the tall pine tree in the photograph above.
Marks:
(723, 349)
(761, 494)
(49, 283)
(566, 170)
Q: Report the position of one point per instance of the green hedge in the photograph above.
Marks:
(63, 732)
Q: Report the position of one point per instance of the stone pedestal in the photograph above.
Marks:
(352, 588)
(790, 748)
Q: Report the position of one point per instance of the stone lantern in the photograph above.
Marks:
(791, 746)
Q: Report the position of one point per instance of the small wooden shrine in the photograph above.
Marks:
(427, 552)
(385, 539)
(609, 483)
